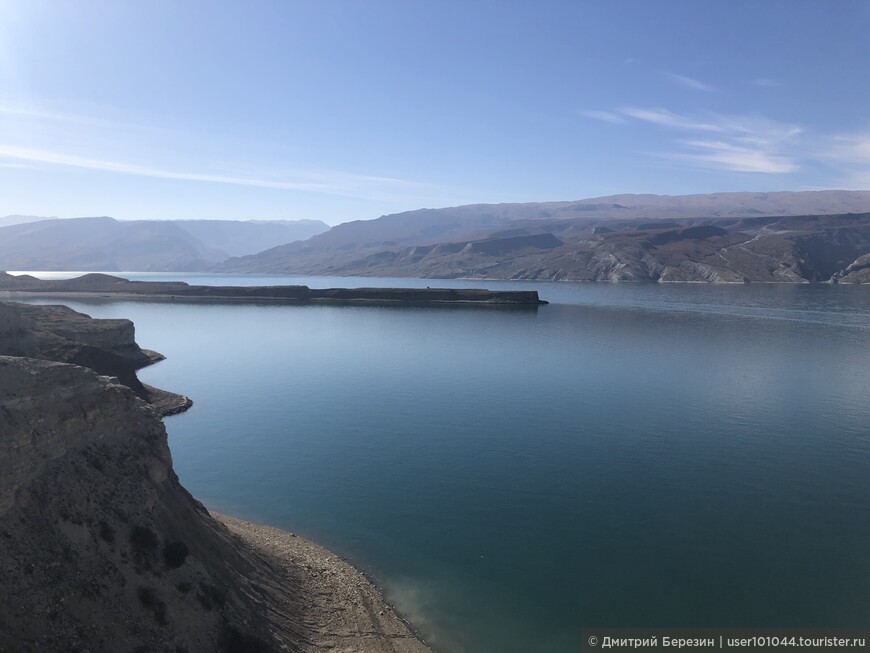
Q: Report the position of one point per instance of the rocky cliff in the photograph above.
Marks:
(58, 333)
(102, 549)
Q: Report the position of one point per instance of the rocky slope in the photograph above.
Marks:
(101, 548)
(797, 249)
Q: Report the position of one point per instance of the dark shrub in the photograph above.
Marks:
(150, 601)
(174, 554)
(107, 533)
(143, 540)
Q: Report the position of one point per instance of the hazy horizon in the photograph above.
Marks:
(313, 219)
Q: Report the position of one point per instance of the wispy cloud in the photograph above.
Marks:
(748, 128)
(850, 154)
(853, 149)
(666, 118)
(335, 183)
(729, 156)
(604, 116)
(687, 82)
(737, 143)
(124, 135)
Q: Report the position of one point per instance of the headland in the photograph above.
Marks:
(97, 284)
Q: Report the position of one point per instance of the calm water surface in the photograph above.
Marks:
(630, 455)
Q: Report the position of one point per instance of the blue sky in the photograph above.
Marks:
(349, 110)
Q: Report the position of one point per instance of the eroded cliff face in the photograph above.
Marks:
(58, 333)
(102, 547)
(115, 336)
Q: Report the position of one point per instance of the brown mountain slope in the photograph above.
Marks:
(797, 249)
(569, 240)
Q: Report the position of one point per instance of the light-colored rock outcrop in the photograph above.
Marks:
(857, 271)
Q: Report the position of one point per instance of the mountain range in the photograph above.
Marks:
(722, 237)
(807, 236)
(106, 244)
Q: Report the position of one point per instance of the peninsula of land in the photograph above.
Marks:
(104, 550)
(104, 284)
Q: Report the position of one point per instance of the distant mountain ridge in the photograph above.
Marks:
(106, 244)
(718, 237)
(8, 220)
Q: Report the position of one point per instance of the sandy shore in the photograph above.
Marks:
(339, 608)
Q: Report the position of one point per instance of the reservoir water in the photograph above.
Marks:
(629, 455)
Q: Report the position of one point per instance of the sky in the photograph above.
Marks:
(343, 110)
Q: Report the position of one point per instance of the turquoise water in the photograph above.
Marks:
(629, 455)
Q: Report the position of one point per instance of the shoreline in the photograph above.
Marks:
(344, 606)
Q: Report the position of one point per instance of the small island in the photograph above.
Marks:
(108, 285)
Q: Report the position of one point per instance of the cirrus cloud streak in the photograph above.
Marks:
(738, 143)
(334, 183)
